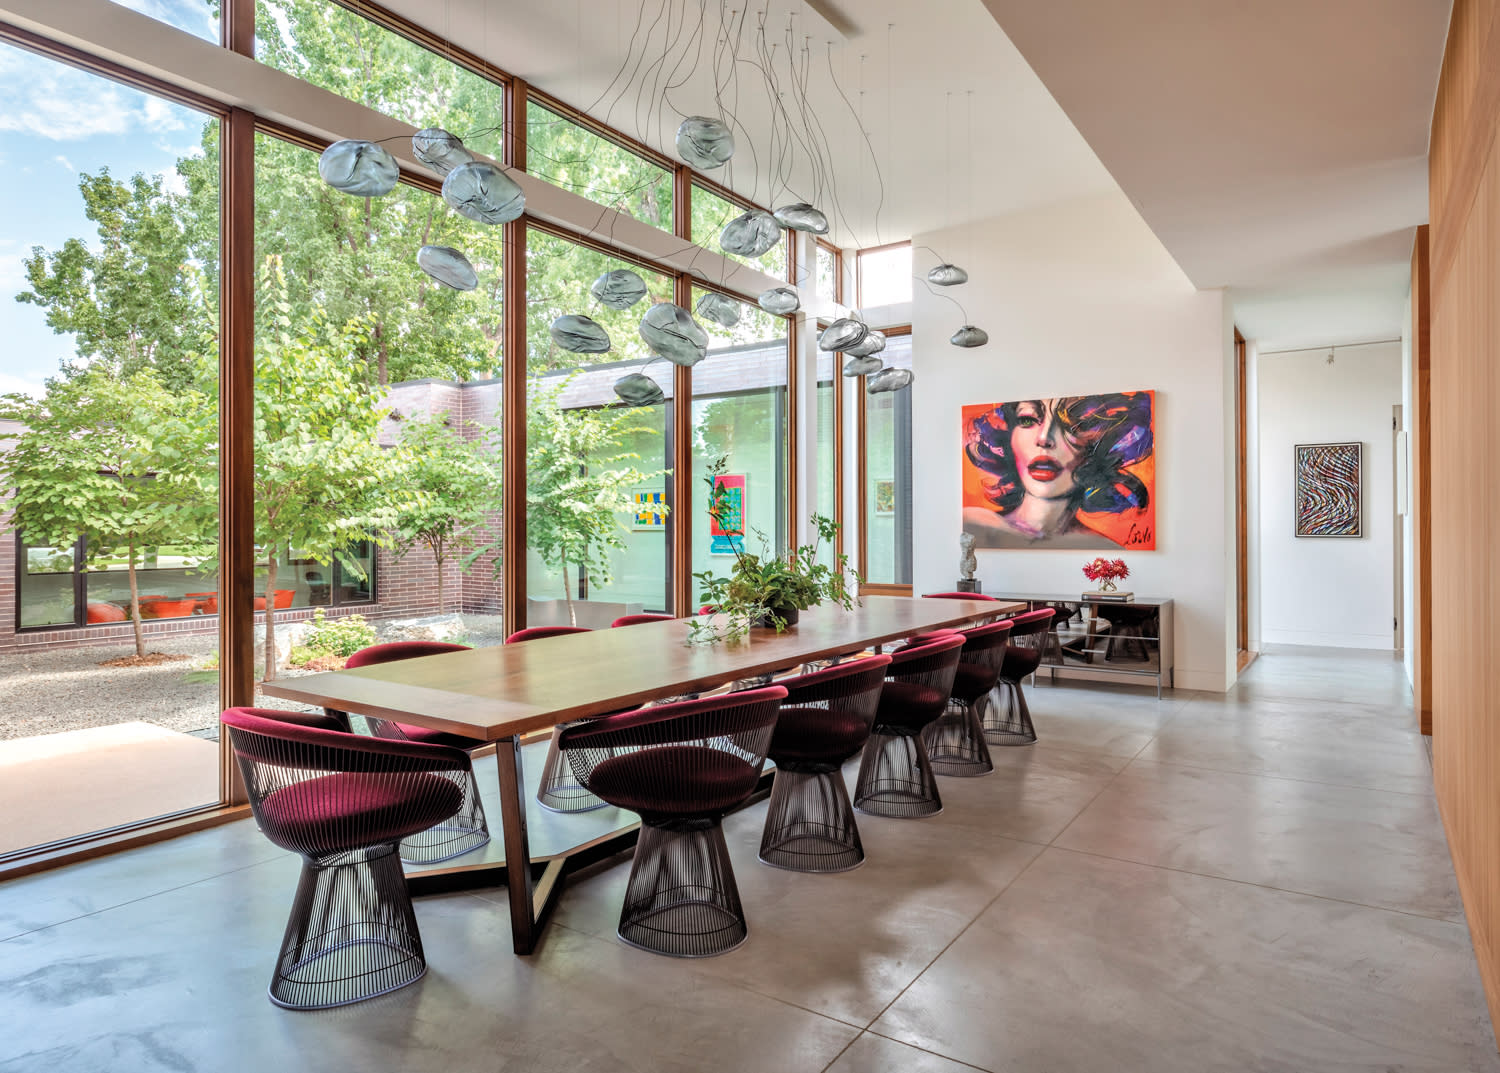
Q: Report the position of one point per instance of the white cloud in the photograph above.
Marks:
(35, 387)
(53, 101)
(65, 162)
(172, 181)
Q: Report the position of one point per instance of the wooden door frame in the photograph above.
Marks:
(1241, 506)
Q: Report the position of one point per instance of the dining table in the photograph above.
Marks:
(503, 693)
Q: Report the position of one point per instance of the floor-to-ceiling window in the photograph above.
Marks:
(887, 522)
(740, 414)
(596, 465)
(108, 453)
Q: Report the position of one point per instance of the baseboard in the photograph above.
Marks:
(1379, 641)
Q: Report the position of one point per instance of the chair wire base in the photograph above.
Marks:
(1007, 719)
(461, 833)
(682, 900)
(560, 790)
(896, 778)
(955, 742)
(810, 824)
(351, 934)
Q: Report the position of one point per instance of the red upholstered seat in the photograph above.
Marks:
(636, 620)
(817, 734)
(907, 704)
(972, 681)
(352, 809)
(703, 781)
(1019, 662)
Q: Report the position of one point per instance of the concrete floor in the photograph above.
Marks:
(1250, 881)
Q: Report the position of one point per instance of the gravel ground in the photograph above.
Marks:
(47, 692)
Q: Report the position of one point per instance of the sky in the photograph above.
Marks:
(59, 122)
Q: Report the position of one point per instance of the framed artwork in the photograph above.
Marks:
(727, 535)
(650, 510)
(1075, 471)
(1328, 489)
(885, 497)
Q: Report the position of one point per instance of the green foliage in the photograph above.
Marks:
(765, 587)
(132, 297)
(111, 456)
(454, 481)
(340, 637)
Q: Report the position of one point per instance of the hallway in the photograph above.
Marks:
(1249, 881)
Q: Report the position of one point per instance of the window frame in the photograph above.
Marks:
(861, 479)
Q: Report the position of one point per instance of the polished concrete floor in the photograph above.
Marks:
(1250, 881)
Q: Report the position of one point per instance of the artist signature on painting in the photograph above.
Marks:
(1138, 537)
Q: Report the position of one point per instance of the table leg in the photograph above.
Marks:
(518, 877)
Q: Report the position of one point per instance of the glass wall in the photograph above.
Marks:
(827, 271)
(198, 17)
(335, 49)
(108, 445)
(888, 490)
(826, 500)
(572, 156)
(711, 212)
(740, 413)
(885, 275)
(596, 500)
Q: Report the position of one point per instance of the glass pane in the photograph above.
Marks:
(577, 159)
(46, 586)
(596, 469)
(826, 281)
(377, 417)
(740, 412)
(337, 50)
(885, 276)
(711, 213)
(198, 17)
(888, 513)
(824, 501)
(109, 309)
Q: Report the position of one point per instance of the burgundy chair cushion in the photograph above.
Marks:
(816, 734)
(972, 681)
(1019, 662)
(905, 704)
(350, 810)
(674, 780)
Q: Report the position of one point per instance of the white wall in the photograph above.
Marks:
(1077, 298)
(1326, 590)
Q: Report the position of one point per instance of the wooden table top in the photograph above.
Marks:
(505, 690)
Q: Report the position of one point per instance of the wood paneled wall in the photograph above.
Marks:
(1465, 325)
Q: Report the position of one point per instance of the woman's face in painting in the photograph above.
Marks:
(1046, 457)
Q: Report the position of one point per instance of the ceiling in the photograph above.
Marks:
(953, 69)
(1278, 148)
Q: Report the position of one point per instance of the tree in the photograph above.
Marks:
(577, 485)
(133, 299)
(455, 484)
(322, 481)
(102, 455)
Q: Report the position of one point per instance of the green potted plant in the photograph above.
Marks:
(766, 590)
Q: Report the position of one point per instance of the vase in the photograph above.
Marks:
(1107, 584)
(788, 616)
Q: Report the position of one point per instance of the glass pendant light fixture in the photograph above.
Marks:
(360, 168)
(448, 266)
(578, 334)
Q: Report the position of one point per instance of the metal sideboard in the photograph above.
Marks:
(1128, 638)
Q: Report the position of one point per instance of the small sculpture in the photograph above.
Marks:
(967, 562)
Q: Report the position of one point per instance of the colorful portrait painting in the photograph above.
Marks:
(1071, 472)
(1327, 490)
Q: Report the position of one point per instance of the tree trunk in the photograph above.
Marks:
(568, 595)
(135, 604)
(437, 557)
(271, 614)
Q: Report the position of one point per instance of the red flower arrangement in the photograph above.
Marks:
(1106, 572)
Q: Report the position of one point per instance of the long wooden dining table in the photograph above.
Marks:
(500, 693)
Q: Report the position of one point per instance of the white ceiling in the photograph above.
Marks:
(1277, 147)
(1023, 150)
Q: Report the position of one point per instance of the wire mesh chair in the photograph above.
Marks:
(343, 802)
(681, 767)
(1007, 719)
(895, 774)
(955, 740)
(559, 790)
(464, 831)
(633, 620)
(825, 719)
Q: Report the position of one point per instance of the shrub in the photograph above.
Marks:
(340, 637)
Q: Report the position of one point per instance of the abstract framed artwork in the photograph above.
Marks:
(1328, 489)
(1067, 472)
